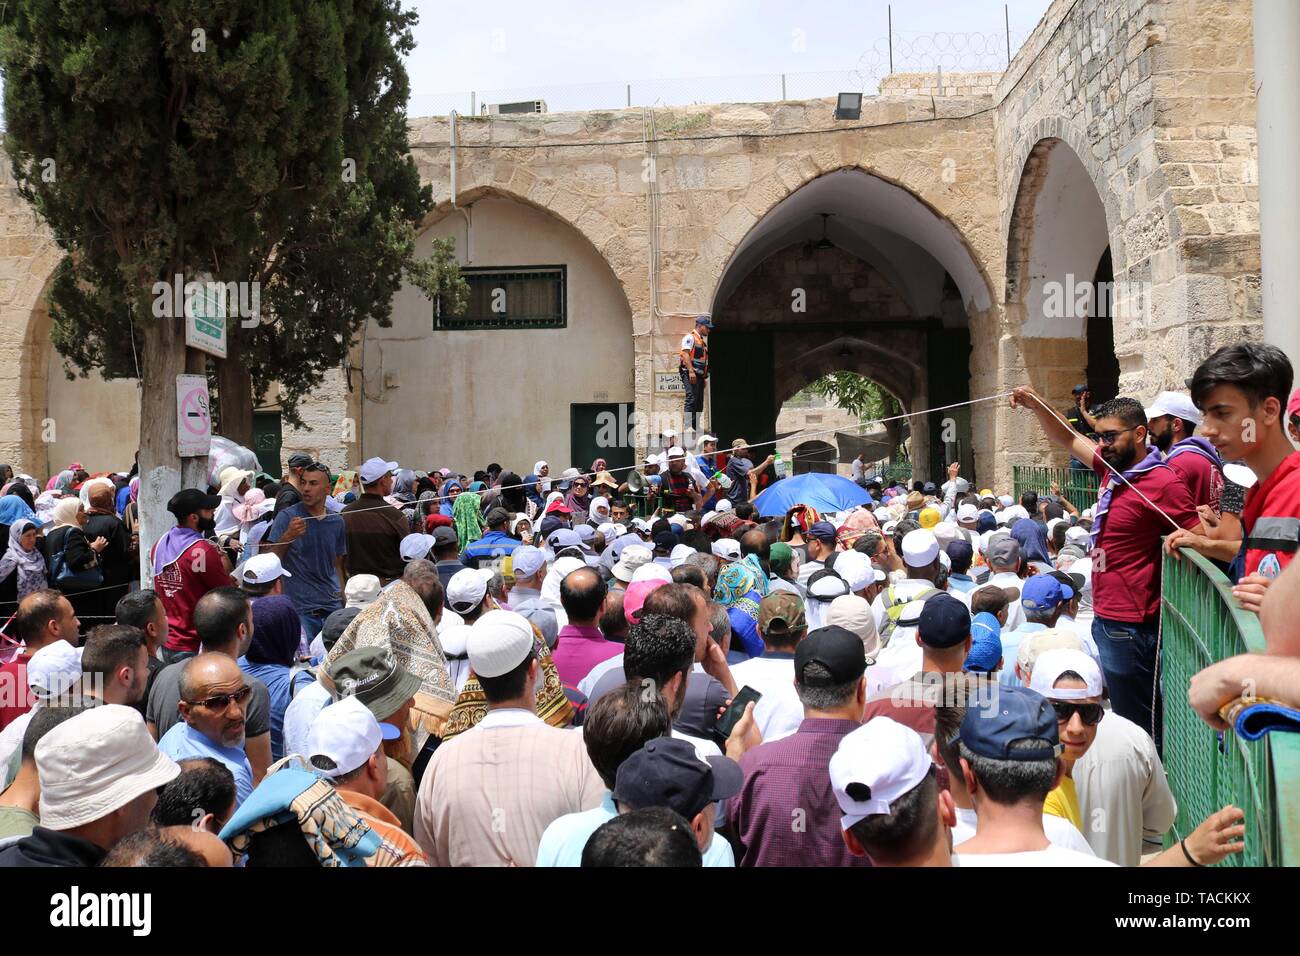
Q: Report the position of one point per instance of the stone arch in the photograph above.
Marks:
(538, 367)
(466, 199)
(916, 217)
(1028, 164)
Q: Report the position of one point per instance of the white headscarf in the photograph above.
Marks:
(65, 513)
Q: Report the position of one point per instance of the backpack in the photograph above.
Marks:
(894, 604)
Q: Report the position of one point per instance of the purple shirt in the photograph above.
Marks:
(785, 776)
(578, 649)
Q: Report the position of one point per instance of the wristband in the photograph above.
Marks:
(1183, 843)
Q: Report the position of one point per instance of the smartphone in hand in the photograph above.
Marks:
(727, 722)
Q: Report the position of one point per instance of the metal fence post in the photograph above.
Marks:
(782, 86)
(473, 103)
(629, 95)
(889, 12)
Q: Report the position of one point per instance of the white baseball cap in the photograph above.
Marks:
(54, 669)
(362, 590)
(416, 546)
(372, 469)
(727, 548)
(465, 591)
(632, 558)
(679, 554)
(723, 505)
(347, 734)
(677, 451)
(1177, 404)
(920, 548)
(525, 561)
(261, 569)
(1052, 664)
(967, 512)
(651, 572)
(95, 763)
(855, 568)
(498, 642)
(875, 765)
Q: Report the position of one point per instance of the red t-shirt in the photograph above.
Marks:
(181, 584)
(1126, 581)
(14, 692)
(1271, 518)
(1203, 480)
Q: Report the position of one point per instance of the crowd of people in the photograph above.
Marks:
(400, 668)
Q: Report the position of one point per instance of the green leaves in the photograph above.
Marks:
(207, 137)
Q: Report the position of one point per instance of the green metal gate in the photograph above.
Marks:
(1200, 623)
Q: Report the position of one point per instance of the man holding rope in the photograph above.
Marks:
(1141, 500)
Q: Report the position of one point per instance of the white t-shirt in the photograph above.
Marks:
(1052, 856)
(1015, 613)
(778, 712)
(1060, 832)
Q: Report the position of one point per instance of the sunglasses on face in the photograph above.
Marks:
(1109, 438)
(220, 702)
(1090, 714)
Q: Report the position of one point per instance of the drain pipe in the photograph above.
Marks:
(464, 212)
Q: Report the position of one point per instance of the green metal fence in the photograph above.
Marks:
(1201, 623)
(1079, 487)
(898, 470)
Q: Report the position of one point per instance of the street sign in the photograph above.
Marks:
(669, 383)
(193, 420)
(205, 317)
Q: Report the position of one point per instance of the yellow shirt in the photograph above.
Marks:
(1064, 802)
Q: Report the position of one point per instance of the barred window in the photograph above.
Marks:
(510, 298)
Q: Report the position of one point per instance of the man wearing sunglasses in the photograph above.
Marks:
(213, 704)
(1071, 682)
(1126, 543)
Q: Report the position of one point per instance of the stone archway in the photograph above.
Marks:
(1061, 264)
(899, 312)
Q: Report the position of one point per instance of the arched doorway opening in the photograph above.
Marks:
(814, 455)
(849, 272)
(1060, 277)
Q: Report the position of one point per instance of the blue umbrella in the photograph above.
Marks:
(823, 492)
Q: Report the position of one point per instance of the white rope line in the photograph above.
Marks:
(802, 435)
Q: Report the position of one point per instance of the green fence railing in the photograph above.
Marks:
(1079, 487)
(1200, 623)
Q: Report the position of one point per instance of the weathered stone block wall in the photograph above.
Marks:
(1156, 99)
(940, 83)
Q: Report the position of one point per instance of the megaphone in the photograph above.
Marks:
(636, 482)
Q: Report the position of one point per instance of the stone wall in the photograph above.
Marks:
(940, 83)
(1156, 100)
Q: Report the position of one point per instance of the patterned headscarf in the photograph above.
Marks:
(735, 582)
(858, 522)
(334, 832)
(799, 518)
(468, 518)
(761, 584)
(552, 704)
(30, 564)
(399, 621)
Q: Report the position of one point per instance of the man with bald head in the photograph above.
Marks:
(755, 541)
(214, 695)
(580, 645)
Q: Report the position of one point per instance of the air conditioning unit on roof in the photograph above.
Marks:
(523, 106)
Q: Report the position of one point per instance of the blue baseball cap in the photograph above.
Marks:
(986, 644)
(1017, 714)
(944, 622)
(704, 320)
(822, 531)
(1042, 592)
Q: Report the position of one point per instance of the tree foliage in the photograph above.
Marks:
(857, 395)
(248, 140)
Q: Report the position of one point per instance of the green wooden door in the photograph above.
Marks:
(742, 386)
(267, 441)
(601, 431)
